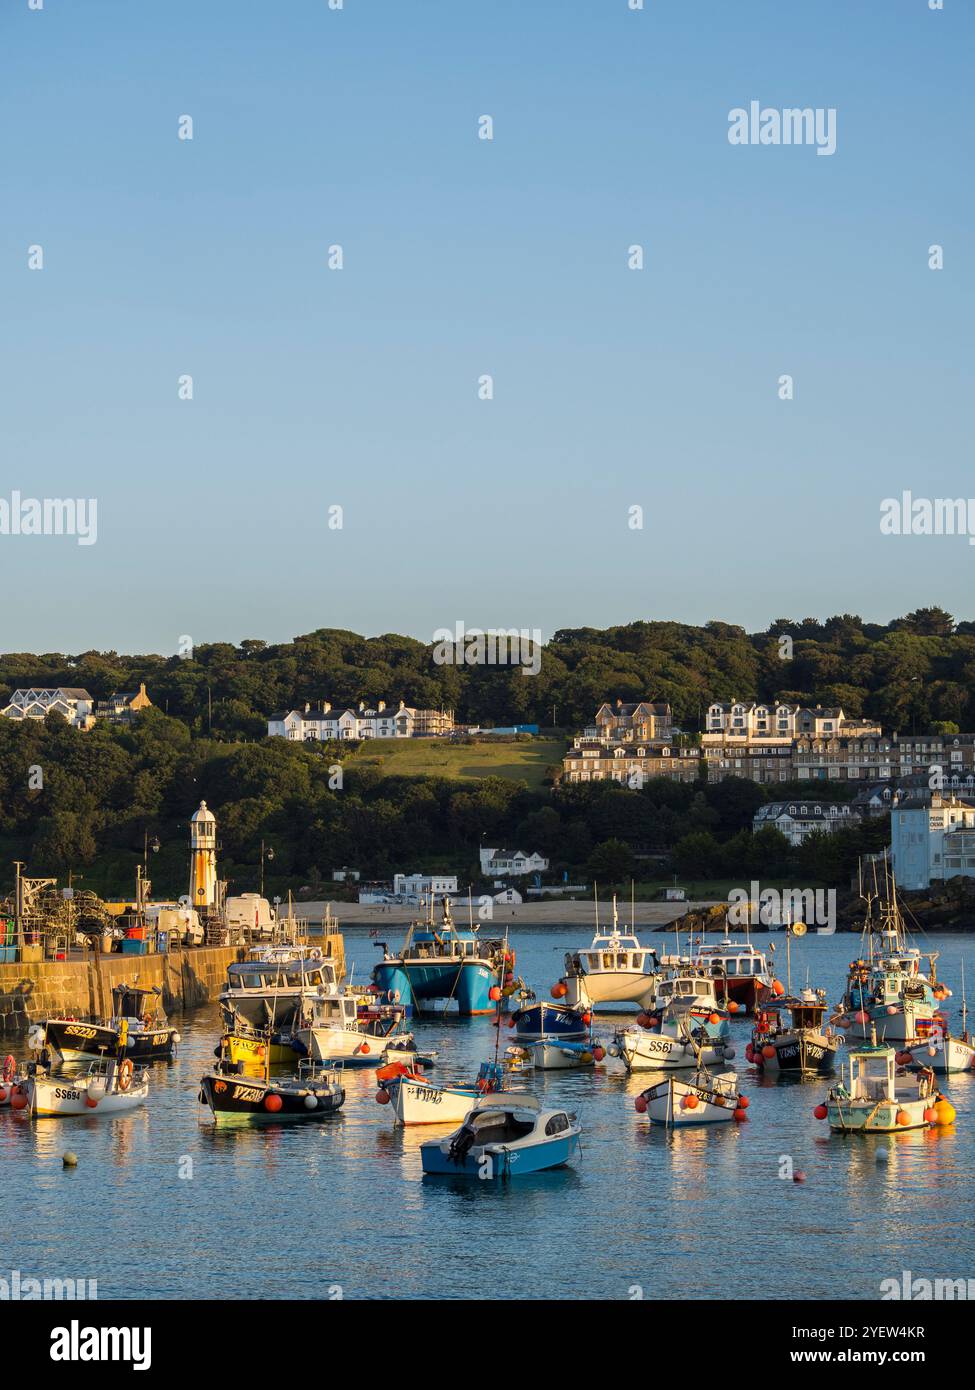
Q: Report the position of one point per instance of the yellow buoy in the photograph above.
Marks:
(944, 1112)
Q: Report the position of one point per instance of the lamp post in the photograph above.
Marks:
(267, 854)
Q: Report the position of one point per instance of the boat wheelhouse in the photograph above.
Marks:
(803, 1045)
(690, 988)
(440, 962)
(743, 969)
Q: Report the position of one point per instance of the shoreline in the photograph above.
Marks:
(576, 912)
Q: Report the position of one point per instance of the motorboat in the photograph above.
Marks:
(440, 963)
(615, 969)
(534, 1020)
(312, 1093)
(271, 985)
(742, 969)
(108, 1087)
(702, 1099)
(414, 1099)
(692, 989)
(878, 1096)
(659, 1044)
(504, 1136)
(135, 1011)
(802, 1045)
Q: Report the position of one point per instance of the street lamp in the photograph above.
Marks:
(267, 854)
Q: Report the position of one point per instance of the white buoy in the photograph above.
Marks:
(311, 1102)
(70, 1160)
(883, 1155)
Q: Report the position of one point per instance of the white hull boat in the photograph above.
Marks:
(553, 1054)
(947, 1056)
(615, 969)
(668, 1047)
(705, 1099)
(102, 1091)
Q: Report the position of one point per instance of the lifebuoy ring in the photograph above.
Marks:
(9, 1067)
(125, 1074)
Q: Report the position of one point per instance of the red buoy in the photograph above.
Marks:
(640, 1105)
(382, 1096)
(820, 1112)
(273, 1102)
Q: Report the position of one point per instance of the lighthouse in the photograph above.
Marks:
(203, 860)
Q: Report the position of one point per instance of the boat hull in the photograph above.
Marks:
(610, 987)
(539, 1021)
(643, 1051)
(551, 1054)
(498, 1162)
(950, 1057)
(415, 1102)
(420, 984)
(795, 1055)
(55, 1098)
(243, 1100)
(90, 1042)
(667, 1103)
(866, 1117)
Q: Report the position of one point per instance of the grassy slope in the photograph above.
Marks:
(431, 758)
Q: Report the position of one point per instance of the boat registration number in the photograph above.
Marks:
(62, 1094)
(421, 1093)
(249, 1094)
(76, 1031)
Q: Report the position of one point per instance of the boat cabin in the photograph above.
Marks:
(333, 1010)
(871, 1074)
(614, 952)
(297, 973)
(736, 961)
(691, 989)
(135, 1002)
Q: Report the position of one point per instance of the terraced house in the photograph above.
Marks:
(322, 723)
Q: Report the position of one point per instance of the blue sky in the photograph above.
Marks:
(358, 387)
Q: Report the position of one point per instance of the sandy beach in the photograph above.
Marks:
(554, 914)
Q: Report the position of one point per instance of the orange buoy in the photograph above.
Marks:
(740, 1115)
(643, 1020)
(559, 991)
(714, 1018)
(930, 1115)
(273, 1102)
(768, 1051)
(382, 1096)
(743, 1102)
(778, 988)
(690, 1102)
(91, 1102)
(363, 1047)
(599, 1053)
(640, 1105)
(494, 993)
(587, 1019)
(903, 1118)
(820, 1112)
(732, 1006)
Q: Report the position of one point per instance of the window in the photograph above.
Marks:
(558, 1124)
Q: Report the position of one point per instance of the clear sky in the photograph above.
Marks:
(357, 388)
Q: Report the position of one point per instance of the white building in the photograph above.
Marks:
(322, 723)
(74, 704)
(932, 839)
(507, 862)
(417, 885)
(799, 819)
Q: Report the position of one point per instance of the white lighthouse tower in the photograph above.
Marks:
(203, 860)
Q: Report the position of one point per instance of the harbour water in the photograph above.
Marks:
(161, 1205)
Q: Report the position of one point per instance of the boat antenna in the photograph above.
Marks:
(595, 898)
(633, 907)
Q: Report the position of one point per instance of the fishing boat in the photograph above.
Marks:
(109, 1087)
(149, 1038)
(310, 1094)
(415, 1100)
(943, 1053)
(799, 1046)
(439, 963)
(272, 984)
(886, 988)
(877, 1096)
(615, 969)
(659, 1044)
(12, 1078)
(536, 1020)
(691, 989)
(742, 970)
(503, 1137)
(706, 1098)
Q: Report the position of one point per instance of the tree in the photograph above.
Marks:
(611, 862)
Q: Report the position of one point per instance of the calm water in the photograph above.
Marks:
(290, 1212)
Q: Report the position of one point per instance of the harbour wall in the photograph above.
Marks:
(33, 991)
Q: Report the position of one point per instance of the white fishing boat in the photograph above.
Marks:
(742, 971)
(706, 1098)
(271, 987)
(689, 988)
(414, 1099)
(676, 1042)
(944, 1054)
(877, 1096)
(107, 1088)
(615, 969)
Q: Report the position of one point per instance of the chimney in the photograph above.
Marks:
(381, 706)
(307, 706)
(362, 705)
(326, 706)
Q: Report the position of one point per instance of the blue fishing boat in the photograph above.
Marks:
(439, 963)
(539, 1020)
(503, 1137)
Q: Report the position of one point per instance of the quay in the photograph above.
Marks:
(81, 986)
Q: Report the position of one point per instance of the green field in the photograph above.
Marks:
(427, 757)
